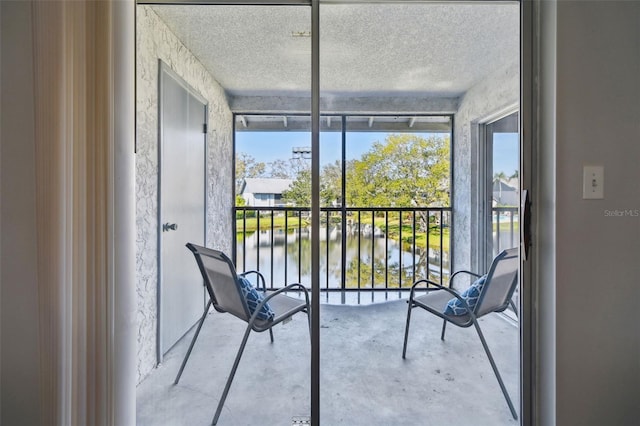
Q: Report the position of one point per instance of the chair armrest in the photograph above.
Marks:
(450, 290)
(260, 278)
(289, 288)
(415, 284)
(275, 293)
(455, 274)
(454, 293)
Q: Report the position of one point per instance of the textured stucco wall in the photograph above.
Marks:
(495, 95)
(155, 41)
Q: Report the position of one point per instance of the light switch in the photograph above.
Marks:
(593, 182)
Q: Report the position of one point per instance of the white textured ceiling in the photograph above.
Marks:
(409, 49)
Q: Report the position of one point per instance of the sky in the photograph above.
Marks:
(505, 153)
(267, 147)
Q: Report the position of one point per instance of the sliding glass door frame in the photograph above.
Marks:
(527, 91)
(486, 174)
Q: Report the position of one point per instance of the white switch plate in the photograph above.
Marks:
(593, 182)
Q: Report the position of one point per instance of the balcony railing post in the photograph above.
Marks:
(441, 245)
(299, 245)
(393, 216)
(386, 250)
(428, 247)
(244, 239)
(400, 252)
(511, 229)
(413, 269)
(327, 251)
(272, 239)
(359, 232)
(286, 245)
(257, 239)
(497, 231)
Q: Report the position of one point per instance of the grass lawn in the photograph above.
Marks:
(421, 237)
(265, 223)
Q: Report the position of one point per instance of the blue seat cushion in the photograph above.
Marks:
(456, 308)
(253, 298)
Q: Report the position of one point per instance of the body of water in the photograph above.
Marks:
(371, 260)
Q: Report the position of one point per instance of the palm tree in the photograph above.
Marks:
(499, 178)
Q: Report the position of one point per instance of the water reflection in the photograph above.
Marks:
(372, 261)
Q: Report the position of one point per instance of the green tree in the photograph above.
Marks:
(280, 169)
(299, 193)
(247, 167)
(405, 170)
(331, 184)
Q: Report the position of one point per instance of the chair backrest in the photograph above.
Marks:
(500, 284)
(221, 281)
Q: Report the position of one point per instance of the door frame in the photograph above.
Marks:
(529, 98)
(164, 71)
(483, 254)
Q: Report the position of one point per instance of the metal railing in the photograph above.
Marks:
(505, 224)
(372, 249)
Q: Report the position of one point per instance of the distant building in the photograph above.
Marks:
(506, 194)
(264, 192)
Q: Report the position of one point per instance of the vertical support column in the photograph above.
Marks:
(343, 212)
(315, 212)
(538, 174)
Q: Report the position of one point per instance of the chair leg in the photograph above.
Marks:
(231, 375)
(495, 370)
(193, 341)
(271, 334)
(406, 331)
(444, 327)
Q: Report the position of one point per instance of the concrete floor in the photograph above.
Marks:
(364, 380)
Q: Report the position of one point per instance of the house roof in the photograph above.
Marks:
(265, 185)
(497, 187)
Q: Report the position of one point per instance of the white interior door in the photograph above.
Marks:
(182, 207)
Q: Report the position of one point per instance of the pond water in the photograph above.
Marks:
(371, 261)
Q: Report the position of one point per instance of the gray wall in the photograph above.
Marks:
(492, 98)
(155, 41)
(597, 256)
(19, 355)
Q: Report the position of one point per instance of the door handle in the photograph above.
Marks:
(169, 227)
(525, 207)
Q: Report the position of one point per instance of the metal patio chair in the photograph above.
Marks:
(225, 294)
(495, 296)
